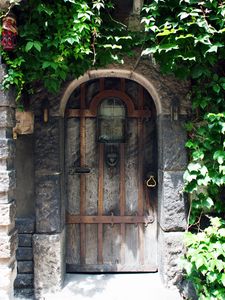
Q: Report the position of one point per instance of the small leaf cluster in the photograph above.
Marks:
(190, 33)
(205, 260)
(61, 39)
(205, 174)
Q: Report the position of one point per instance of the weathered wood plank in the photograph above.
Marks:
(91, 243)
(100, 201)
(74, 219)
(111, 188)
(92, 163)
(82, 176)
(122, 195)
(131, 167)
(87, 113)
(141, 141)
(72, 154)
(73, 244)
(74, 268)
(111, 244)
(131, 246)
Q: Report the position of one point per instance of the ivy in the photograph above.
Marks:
(205, 260)
(187, 39)
(59, 40)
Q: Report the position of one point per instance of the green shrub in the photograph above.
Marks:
(204, 260)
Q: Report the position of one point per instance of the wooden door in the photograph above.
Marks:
(111, 214)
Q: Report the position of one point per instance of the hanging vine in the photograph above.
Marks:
(188, 40)
(62, 39)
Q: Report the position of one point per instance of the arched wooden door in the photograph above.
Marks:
(111, 213)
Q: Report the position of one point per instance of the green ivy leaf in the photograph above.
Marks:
(37, 46)
(29, 46)
(223, 280)
(219, 156)
(216, 88)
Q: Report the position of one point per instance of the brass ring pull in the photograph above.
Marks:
(151, 182)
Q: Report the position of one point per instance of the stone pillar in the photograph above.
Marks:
(8, 234)
(49, 263)
(172, 206)
(49, 240)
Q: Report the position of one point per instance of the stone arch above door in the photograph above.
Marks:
(164, 90)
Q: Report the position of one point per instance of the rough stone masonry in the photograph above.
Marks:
(8, 233)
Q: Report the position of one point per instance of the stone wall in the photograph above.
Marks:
(8, 233)
(24, 283)
(49, 270)
(172, 205)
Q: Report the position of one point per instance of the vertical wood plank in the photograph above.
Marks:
(101, 83)
(122, 82)
(122, 202)
(100, 202)
(140, 176)
(82, 176)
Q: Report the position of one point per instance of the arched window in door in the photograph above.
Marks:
(111, 121)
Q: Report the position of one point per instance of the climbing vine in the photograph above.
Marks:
(187, 39)
(60, 39)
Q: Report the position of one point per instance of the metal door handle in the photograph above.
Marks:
(151, 182)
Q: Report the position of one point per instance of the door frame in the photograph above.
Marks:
(172, 161)
(139, 113)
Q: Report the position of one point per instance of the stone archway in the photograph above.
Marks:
(171, 107)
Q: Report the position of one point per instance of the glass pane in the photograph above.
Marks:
(112, 107)
(111, 121)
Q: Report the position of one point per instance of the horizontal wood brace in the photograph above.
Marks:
(74, 219)
(77, 113)
(75, 268)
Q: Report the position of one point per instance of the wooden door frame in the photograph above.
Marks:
(170, 230)
(91, 111)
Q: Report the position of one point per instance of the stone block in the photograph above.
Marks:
(172, 204)
(24, 281)
(48, 204)
(7, 148)
(6, 197)
(25, 240)
(171, 142)
(7, 181)
(24, 293)
(6, 133)
(8, 244)
(24, 253)
(171, 248)
(7, 277)
(25, 267)
(7, 117)
(7, 213)
(25, 225)
(7, 164)
(47, 156)
(49, 261)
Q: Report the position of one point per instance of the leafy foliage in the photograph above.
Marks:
(187, 39)
(205, 260)
(62, 39)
